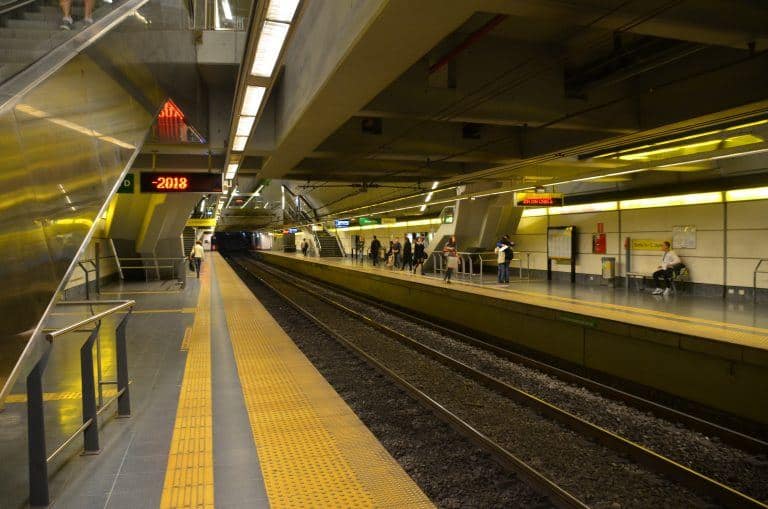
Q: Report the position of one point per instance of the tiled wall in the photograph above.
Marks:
(715, 260)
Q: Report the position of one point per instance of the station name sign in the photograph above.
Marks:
(341, 223)
(175, 182)
(539, 199)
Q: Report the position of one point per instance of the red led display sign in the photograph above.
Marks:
(167, 182)
(539, 199)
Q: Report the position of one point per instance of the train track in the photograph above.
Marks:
(288, 286)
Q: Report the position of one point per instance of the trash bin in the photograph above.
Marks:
(609, 270)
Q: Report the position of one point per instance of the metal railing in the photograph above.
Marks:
(468, 261)
(39, 459)
(153, 265)
(754, 277)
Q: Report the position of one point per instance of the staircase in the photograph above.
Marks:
(188, 238)
(329, 244)
(29, 32)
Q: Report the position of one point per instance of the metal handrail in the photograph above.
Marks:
(94, 318)
(37, 451)
(754, 277)
(12, 6)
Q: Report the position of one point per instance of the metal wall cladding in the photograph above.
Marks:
(63, 147)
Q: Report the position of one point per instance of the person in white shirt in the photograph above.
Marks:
(197, 255)
(669, 262)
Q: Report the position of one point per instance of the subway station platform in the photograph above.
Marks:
(227, 413)
(702, 349)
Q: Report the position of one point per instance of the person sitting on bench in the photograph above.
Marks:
(669, 263)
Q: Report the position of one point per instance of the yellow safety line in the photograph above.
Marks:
(185, 341)
(56, 396)
(189, 473)
(313, 450)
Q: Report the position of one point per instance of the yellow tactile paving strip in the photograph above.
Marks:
(57, 396)
(743, 335)
(189, 474)
(313, 450)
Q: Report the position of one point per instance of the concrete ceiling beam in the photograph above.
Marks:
(365, 46)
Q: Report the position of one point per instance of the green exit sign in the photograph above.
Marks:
(126, 186)
(363, 221)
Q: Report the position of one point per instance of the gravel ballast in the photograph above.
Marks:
(595, 474)
(452, 472)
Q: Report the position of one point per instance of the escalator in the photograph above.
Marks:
(75, 109)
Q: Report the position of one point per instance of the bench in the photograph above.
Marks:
(680, 275)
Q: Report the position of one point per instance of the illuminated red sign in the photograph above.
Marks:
(156, 182)
(539, 199)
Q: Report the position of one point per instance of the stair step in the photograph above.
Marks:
(31, 24)
(21, 33)
(9, 43)
(9, 70)
(20, 56)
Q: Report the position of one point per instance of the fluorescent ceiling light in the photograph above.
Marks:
(268, 49)
(227, 9)
(244, 126)
(435, 184)
(429, 197)
(535, 212)
(239, 144)
(252, 100)
(423, 208)
(587, 207)
(755, 193)
(672, 201)
(231, 171)
(282, 10)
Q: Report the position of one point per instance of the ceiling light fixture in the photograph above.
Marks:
(239, 144)
(244, 126)
(231, 171)
(270, 44)
(282, 10)
(252, 100)
(435, 184)
(227, 10)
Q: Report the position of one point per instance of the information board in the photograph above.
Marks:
(647, 244)
(175, 182)
(560, 241)
(523, 199)
(684, 237)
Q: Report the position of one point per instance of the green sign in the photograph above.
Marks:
(576, 319)
(127, 185)
(363, 221)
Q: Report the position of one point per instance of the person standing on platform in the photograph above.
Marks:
(407, 255)
(197, 255)
(508, 255)
(375, 248)
(389, 255)
(501, 260)
(397, 253)
(304, 247)
(451, 252)
(419, 255)
(669, 263)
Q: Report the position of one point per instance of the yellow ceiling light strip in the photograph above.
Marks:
(672, 201)
(586, 207)
(753, 193)
(734, 195)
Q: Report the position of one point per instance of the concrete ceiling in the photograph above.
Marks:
(378, 99)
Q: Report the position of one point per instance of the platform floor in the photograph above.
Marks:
(742, 323)
(226, 412)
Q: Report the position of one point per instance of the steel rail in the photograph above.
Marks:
(727, 435)
(642, 455)
(93, 318)
(557, 495)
